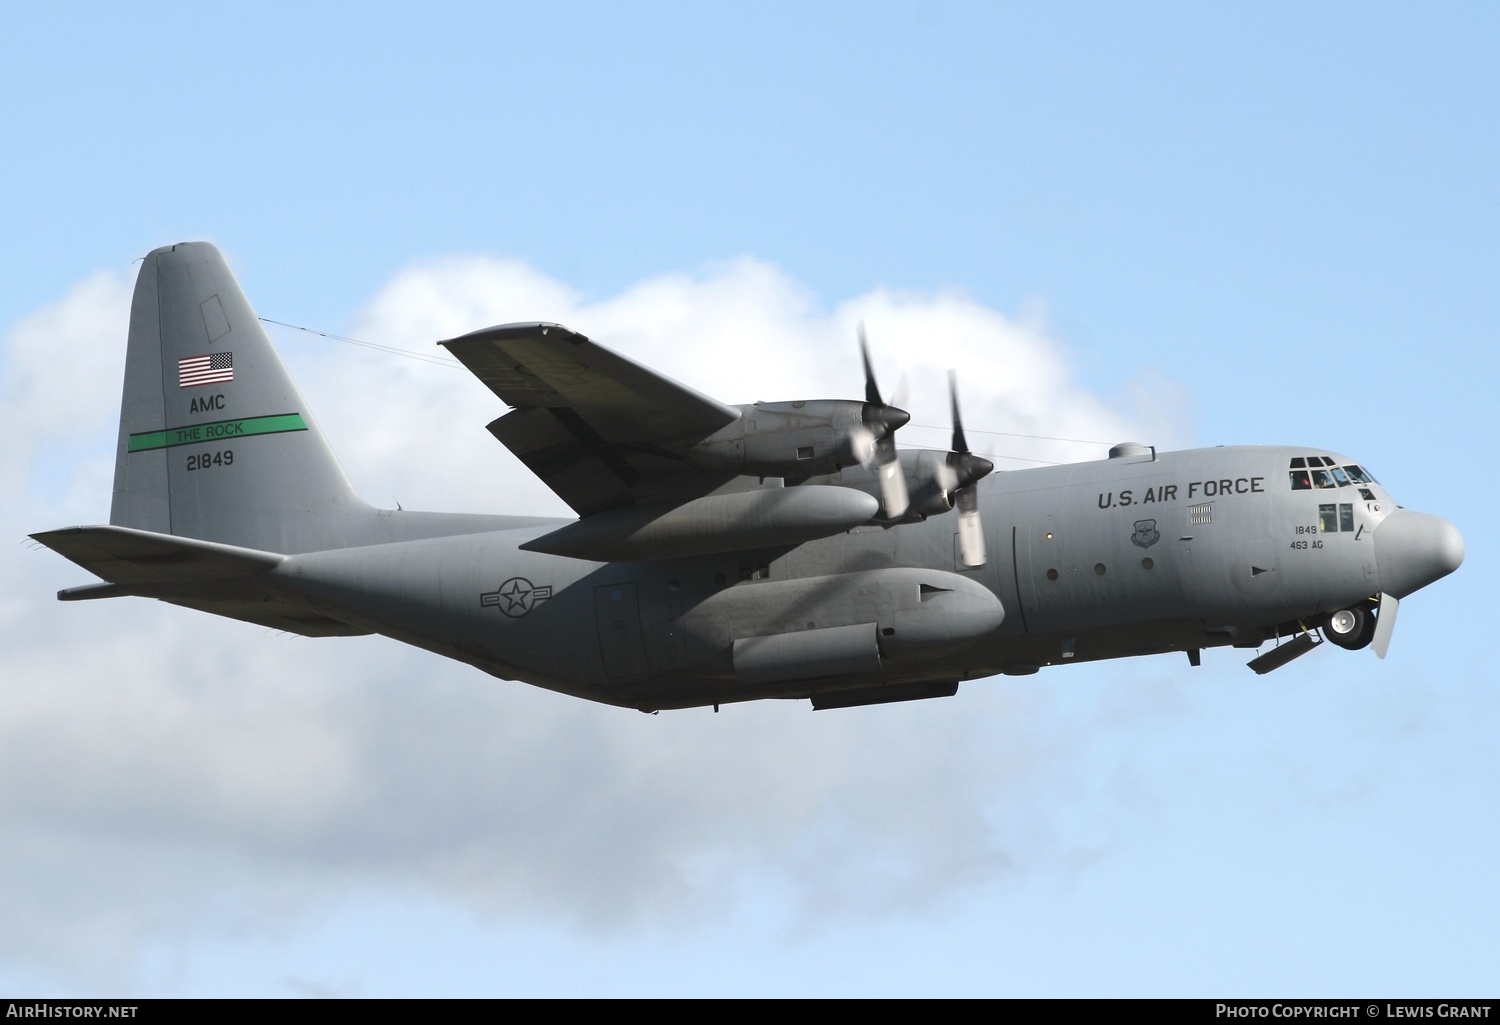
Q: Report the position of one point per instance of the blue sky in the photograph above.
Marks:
(1273, 225)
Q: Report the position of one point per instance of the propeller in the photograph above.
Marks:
(968, 469)
(1385, 623)
(882, 421)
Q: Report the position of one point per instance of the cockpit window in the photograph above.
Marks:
(1308, 472)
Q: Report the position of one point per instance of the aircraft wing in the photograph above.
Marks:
(596, 427)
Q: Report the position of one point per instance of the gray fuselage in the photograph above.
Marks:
(722, 553)
(1137, 554)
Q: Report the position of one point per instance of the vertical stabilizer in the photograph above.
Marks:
(215, 441)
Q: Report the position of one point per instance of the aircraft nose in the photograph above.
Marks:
(1413, 549)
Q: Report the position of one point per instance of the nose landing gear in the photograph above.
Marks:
(1351, 628)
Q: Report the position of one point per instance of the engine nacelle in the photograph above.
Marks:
(848, 624)
(761, 518)
(789, 439)
(930, 480)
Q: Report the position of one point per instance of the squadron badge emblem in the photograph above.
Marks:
(516, 597)
(1145, 534)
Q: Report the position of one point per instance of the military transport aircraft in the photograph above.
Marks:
(722, 553)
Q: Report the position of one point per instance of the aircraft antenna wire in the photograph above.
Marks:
(393, 350)
(1011, 434)
(410, 354)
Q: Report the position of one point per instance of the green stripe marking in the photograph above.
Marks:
(219, 430)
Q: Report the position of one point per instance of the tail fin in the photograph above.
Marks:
(215, 442)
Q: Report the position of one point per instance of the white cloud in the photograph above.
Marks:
(165, 774)
(740, 331)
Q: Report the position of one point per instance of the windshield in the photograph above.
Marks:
(1320, 472)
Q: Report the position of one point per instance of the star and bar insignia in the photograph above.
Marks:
(516, 597)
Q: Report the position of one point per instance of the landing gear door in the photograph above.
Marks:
(618, 613)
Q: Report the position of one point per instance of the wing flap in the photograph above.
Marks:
(581, 470)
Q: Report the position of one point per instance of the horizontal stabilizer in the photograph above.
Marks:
(129, 557)
(89, 592)
(204, 575)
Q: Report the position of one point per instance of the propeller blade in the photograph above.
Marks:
(894, 498)
(960, 444)
(966, 465)
(902, 394)
(967, 469)
(1385, 623)
(879, 417)
(882, 422)
(872, 390)
(970, 533)
(862, 445)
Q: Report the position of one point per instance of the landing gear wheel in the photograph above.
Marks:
(1350, 628)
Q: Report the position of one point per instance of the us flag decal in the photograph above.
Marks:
(214, 368)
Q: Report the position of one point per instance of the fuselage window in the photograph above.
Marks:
(1358, 475)
(1340, 476)
(1336, 517)
(1300, 480)
(1298, 463)
(1323, 479)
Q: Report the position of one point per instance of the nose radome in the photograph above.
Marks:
(1413, 549)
